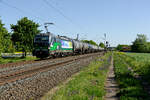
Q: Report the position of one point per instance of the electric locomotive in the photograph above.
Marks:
(48, 44)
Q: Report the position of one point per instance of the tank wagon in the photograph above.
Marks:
(48, 44)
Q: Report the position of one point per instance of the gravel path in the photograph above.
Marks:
(111, 85)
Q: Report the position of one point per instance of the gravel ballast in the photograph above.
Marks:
(34, 87)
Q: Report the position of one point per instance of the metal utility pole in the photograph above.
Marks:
(105, 38)
(105, 41)
(46, 25)
(77, 36)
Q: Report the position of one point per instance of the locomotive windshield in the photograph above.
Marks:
(42, 39)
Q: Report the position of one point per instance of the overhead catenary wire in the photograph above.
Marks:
(20, 10)
(49, 4)
(26, 12)
(56, 3)
(37, 17)
(62, 14)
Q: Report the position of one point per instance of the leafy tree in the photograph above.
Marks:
(5, 41)
(8, 45)
(90, 42)
(140, 44)
(102, 45)
(23, 34)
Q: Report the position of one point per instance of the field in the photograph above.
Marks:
(140, 63)
(131, 70)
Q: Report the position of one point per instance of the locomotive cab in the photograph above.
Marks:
(41, 45)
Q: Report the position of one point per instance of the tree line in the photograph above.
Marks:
(21, 36)
(140, 45)
(101, 44)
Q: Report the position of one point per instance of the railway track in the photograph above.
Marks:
(24, 65)
(16, 64)
(21, 74)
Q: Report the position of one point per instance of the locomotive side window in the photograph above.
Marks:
(52, 40)
(57, 40)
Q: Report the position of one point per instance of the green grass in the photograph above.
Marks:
(140, 63)
(15, 59)
(89, 83)
(130, 87)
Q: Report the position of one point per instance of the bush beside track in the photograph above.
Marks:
(130, 87)
(88, 84)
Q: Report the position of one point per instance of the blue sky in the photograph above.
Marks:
(121, 20)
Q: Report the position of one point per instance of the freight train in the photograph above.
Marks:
(48, 44)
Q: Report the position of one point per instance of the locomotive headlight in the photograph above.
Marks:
(51, 45)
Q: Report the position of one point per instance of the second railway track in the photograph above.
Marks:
(11, 77)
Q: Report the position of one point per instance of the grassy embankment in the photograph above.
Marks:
(130, 87)
(88, 84)
(15, 59)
